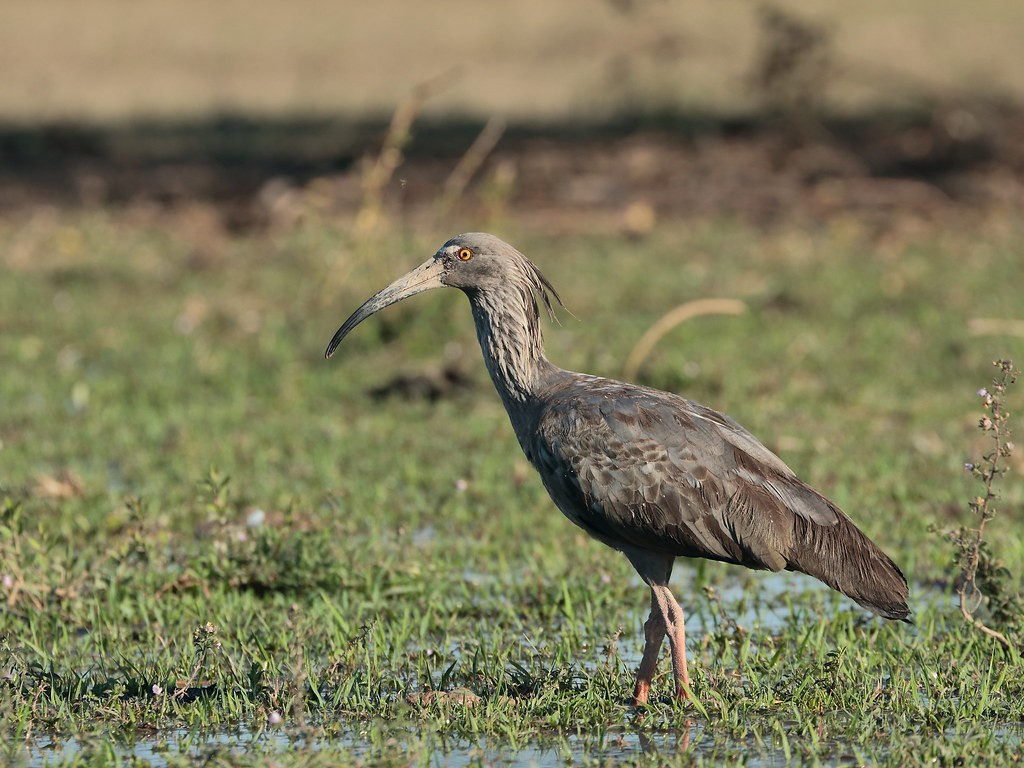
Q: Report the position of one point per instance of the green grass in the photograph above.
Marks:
(160, 387)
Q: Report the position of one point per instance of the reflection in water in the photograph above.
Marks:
(547, 750)
(649, 742)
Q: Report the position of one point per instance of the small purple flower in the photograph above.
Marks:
(982, 392)
(275, 718)
(969, 467)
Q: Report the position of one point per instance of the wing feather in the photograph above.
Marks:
(646, 469)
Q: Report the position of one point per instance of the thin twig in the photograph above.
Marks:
(390, 157)
(670, 320)
(471, 161)
(994, 326)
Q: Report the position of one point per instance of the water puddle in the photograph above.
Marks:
(758, 602)
(696, 739)
(438, 750)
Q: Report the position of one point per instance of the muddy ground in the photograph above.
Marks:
(624, 174)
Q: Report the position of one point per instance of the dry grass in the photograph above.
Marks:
(108, 59)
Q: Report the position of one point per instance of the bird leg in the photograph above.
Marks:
(654, 634)
(666, 618)
(676, 625)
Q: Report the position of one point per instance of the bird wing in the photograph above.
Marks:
(638, 468)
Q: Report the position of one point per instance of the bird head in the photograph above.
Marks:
(475, 262)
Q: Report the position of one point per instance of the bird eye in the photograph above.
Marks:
(465, 254)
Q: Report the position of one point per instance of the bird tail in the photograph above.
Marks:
(849, 562)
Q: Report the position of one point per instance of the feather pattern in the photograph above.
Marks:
(642, 469)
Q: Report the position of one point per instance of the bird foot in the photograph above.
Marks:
(641, 692)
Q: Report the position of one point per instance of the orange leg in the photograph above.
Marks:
(676, 627)
(654, 634)
(666, 619)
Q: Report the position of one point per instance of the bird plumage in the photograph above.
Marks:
(646, 472)
(642, 469)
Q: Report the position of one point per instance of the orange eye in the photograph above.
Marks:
(465, 254)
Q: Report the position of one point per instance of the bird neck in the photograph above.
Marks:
(508, 328)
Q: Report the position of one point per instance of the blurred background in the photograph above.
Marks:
(574, 110)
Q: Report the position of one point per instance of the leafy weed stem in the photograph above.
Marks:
(972, 541)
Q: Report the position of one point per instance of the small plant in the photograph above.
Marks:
(216, 492)
(204, 641)
(981, 575)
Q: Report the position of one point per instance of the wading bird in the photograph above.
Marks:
(649, 473)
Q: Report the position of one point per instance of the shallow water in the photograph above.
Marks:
(752, 600)
(614, 745)
(548, 750)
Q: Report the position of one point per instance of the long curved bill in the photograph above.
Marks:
(423, 278)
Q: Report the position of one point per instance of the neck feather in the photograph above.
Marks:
(508, 328)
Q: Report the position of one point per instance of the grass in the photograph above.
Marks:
(217, 547)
